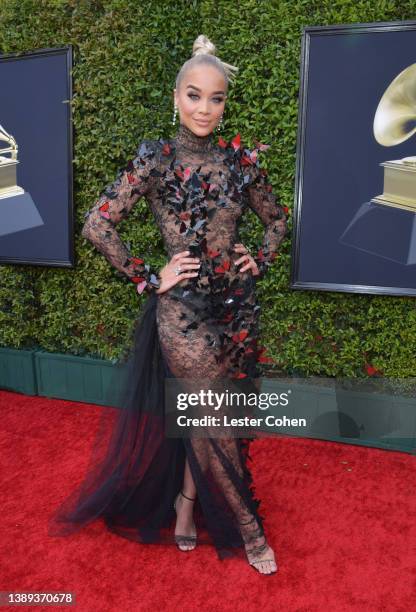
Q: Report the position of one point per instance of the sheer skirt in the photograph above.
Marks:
(135, 471)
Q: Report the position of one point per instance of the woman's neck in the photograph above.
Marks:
(188, 139)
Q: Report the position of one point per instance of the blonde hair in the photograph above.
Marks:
(203, 52)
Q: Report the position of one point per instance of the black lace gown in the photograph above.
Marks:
(203, 327)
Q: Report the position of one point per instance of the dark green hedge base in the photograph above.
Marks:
(17, 371)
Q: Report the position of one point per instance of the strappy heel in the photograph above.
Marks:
(183, 539)
(259, 549)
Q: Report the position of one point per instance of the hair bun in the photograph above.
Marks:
(203, 45)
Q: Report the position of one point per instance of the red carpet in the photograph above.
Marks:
(341, 518)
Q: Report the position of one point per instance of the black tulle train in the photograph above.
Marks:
(135, 471)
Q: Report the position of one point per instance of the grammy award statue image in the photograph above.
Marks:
(386, 225)
(17, 209)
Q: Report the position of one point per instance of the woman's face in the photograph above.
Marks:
(201, 99)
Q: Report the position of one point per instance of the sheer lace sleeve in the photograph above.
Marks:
(113, 205)
(263, 202)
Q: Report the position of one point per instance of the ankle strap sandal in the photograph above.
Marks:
(190, 498)
(183, 539)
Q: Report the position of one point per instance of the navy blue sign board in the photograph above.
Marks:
(36, 152)
(355, 187)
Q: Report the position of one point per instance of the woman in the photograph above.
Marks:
(200, 321)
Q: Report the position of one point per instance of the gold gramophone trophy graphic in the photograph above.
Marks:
(17, 209)
(386, 225)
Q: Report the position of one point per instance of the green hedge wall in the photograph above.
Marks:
(126, 57)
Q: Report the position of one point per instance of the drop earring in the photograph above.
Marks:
(174, 114)
(220, 125)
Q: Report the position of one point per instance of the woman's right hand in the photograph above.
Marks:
(189, 268)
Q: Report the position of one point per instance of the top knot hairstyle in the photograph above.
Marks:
(203, 52)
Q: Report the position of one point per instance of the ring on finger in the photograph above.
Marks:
(177, 270)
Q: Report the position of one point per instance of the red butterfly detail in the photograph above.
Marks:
(246, 160)
(103, 210)
(140, 287)
(166, 149)
(260, 146)
(222, 268)
(371, 370)
(133, 180)
(261, 358)
(222, 143)
(137, 279)
(236, 141)
(212, 253)
(239, 375)
(240, 336)
(137, 260)
(179, 174)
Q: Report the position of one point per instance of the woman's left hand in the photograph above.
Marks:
(250, 264)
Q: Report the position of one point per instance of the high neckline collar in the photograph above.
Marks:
(192, 141)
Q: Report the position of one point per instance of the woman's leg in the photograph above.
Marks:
(189, 487)
(184, 509)
(217, 463)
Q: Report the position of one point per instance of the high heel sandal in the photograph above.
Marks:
(258, 549)
(182, 539)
